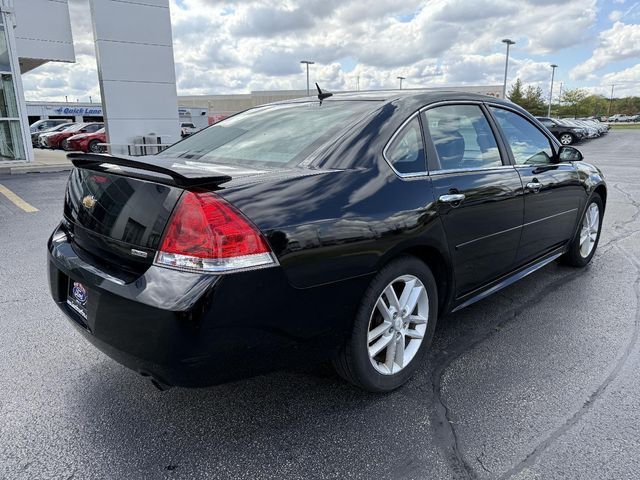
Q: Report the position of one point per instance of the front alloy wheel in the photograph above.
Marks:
(393, 327)
(589, 230)
(583, 246)
(397, 325)
(94, 146)
(566, 139)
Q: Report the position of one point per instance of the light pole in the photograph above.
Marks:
(401, 78)
(307, 62)
(506, 66)
(610, 100)
(553, 71)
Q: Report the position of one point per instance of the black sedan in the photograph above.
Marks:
(564, 132)
(341, 228)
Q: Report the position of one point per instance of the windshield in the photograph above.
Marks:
(275, 134)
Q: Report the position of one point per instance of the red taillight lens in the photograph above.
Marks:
(206, 233)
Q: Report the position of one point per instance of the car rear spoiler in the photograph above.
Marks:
(170, 171)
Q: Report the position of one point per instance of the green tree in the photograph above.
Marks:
(529, 97)
(533, 101)
(516, 94)
(574, 98)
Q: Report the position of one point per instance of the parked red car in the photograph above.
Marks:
(59, 140)
(87, 142)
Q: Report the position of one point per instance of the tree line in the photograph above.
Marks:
(574, 102)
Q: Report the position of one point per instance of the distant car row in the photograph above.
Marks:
(84, 137)
(569, 131)
(618, 117)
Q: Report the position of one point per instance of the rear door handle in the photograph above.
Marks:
(453, 198)
(535, 186)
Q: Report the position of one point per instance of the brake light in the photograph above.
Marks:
(207, 234)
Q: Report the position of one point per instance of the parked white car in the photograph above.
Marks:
(187, 128)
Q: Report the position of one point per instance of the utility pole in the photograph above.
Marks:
(506, 66)
(307, 62)
(610, 100)
(553, 71)
(401, 78)
(560, 95)
(358, 83)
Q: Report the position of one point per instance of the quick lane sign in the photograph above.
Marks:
(84, 111)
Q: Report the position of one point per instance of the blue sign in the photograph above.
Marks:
(81, 111)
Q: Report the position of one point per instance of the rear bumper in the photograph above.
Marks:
(192, 330)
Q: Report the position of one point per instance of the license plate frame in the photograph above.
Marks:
(77, 297)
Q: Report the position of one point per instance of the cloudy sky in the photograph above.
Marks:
(235, 46)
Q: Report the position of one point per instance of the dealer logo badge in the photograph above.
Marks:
(79, 293)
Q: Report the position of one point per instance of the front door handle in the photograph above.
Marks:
(453, 198)
(535, 186)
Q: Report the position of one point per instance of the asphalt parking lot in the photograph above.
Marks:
(539, 381)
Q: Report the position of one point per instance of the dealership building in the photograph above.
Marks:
(135, 66)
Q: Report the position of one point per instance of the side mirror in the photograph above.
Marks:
(569, 154)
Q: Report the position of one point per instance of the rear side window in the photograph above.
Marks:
(462, 137)
(406, 151)
(528, 144)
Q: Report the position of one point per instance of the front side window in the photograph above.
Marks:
(406, 152)
(528, 144)
(93, 128)
(462, 137)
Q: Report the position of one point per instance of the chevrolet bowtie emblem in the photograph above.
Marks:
(89, 202)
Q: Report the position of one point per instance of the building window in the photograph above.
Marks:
(8, 104)
(11, 147)
(5, 65)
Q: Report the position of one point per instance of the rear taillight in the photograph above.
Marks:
(207, 234)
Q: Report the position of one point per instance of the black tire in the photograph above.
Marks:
(353, 362)
(93, 146)
(566, 138)
(573, 256)
(63, 144)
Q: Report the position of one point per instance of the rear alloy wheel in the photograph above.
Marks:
(63, 144)
(94, 147)
(583, 246)
(393, 328)
(397, 324)
(566, 139)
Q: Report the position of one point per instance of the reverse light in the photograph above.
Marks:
(207, 234)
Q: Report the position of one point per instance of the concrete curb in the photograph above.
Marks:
(37, 169)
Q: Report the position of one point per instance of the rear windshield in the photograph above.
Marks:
(272, 135)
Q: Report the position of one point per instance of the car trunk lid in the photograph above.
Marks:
(116, 208)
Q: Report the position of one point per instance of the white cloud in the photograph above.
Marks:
(620, 42)
(615, 15)
(627, 81)
(225, 46)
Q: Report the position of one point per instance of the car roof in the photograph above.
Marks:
(421, 96)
